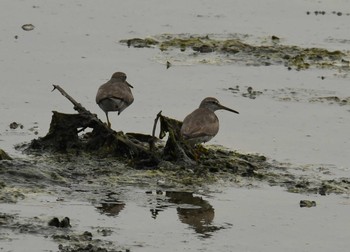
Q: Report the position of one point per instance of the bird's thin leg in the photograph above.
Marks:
(108, 123)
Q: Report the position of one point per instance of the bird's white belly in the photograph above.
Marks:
(202, 139)
(112, 104)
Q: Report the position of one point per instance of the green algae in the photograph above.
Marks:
(307, 203)
(4, 155)
(233, 50)
(332, 100)
(140, 43)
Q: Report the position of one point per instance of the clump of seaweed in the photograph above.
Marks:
(235, 50)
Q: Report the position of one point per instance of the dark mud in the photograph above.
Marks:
(84, 172)
(67, 238)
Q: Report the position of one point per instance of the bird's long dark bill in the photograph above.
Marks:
(228, 109)
(129, 84)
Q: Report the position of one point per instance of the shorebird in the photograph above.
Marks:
(114, 95)
(202, 124)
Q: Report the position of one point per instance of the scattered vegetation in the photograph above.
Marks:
(233, 50)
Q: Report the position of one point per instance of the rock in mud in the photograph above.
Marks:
(15, 125)
(64, 223)
(307, 203)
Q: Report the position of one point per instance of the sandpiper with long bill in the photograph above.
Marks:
(202, 124)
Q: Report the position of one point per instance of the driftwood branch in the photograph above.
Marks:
(153, 139)
(63, 136)
(155, 123)
(64, 130)
(77, 106)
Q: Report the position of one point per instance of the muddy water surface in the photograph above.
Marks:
(292, 118)
(262, 219)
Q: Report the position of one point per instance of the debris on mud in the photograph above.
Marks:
(251, 93)
(332, 100)
(108, 157)
(102, 141)
(230, 49)
(94, 164)
(322, 12)
(85, 242)
(69, 240)
(292, 94)
(307, 203)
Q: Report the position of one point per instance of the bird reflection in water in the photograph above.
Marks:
(192, 210)
(110, 208)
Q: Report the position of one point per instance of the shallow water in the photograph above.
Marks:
(264, 219)
(75, 45)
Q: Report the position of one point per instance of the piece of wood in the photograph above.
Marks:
(154, 138)
(77, 106)
(65, 136)
(64, 129)
(81, 110)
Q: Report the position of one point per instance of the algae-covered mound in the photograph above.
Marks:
(103, 156)
(216, 49)
(140, 151)
(134, 158)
